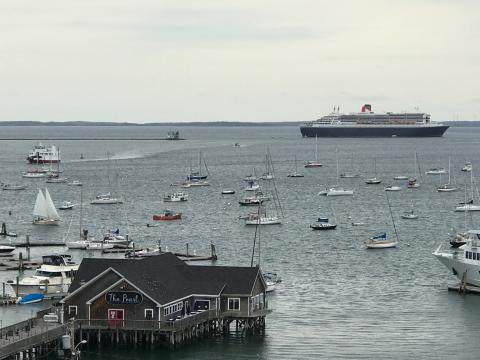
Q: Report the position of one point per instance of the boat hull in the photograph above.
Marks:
(373, 131)
(167, 217)
(381, 244)
(45, 222)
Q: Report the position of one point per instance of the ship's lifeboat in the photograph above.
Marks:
(167, 215)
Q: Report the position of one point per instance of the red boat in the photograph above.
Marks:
(168, 215)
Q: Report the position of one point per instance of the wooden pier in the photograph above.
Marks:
(176, 331)
(30, 338)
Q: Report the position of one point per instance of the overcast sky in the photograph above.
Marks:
(245, 60)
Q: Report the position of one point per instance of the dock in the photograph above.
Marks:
(464, 289)
(31, 338)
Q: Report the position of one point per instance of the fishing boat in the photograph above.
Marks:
(54, 275)
(66, 205)
(463, 262)
(42, 154)
(44, 211)
(323, 224)
(30, 298)
(13, 187)
(295, 174)
(6, 249)
(106, 199)
(176, 197)
(314, 164)
(409, 215)
(250, 201)
(168, 215)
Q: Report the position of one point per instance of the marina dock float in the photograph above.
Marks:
(465, 289)
(34, 244)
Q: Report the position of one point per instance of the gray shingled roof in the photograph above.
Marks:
(165, 278)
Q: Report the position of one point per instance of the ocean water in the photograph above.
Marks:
(337, 299)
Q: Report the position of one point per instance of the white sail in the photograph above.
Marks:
(40, 208)
(51, 211)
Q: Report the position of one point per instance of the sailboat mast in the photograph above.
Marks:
(391, 215)
(316, 148)
(81, 210)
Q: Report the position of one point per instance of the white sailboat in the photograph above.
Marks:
(337, 190)
(380, 241)
(446, 187)
(409, 215)
(314, 164)
(468, 205)
(412, 182)
(44, 211)
(350, 175)
(296, 173)
(374, 180)
(106, 198)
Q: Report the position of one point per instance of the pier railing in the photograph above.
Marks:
(173, 324)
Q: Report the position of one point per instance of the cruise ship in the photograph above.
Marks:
(369, 124)
(42, 154)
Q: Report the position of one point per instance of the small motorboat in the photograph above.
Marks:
(400, 177)
(67, 205)
(75, 183)
(410, 215)
(393, 188)
(436, 171)
(13, 187)
(413, 184)
(6, 249)
(175, 197)
(250, 201)
(373, 181)
(55, 179)
(228, 192)
(467, 167)
(168, 215)
(30, 298)
(323, 224)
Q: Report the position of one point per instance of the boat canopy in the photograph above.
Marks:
(380, 236)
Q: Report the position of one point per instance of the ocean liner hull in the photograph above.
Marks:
(373, 131)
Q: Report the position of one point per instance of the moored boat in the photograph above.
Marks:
(323, 224)
(380, 241)
(175, 197)
(168, 215)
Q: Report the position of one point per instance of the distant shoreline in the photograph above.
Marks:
(203, 123)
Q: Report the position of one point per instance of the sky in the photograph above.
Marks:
(147, 61)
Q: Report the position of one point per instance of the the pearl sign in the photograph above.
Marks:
(124, 297)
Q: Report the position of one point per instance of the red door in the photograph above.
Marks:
(115, 317)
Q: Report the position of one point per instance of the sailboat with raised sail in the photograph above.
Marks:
(446, 187)
(314, 164)
(44, 211)
(338, 190)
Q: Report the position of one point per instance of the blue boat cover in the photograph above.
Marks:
(380, 236)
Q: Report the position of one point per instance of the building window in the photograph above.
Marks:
(149, 314)
(72, 310)
(234, 304)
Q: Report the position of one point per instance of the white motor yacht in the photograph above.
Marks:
(338, 191)
(54, 276)
(105, 199)
(175, 197)
(464, 262)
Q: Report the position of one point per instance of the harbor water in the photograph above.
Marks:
(337, 299)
